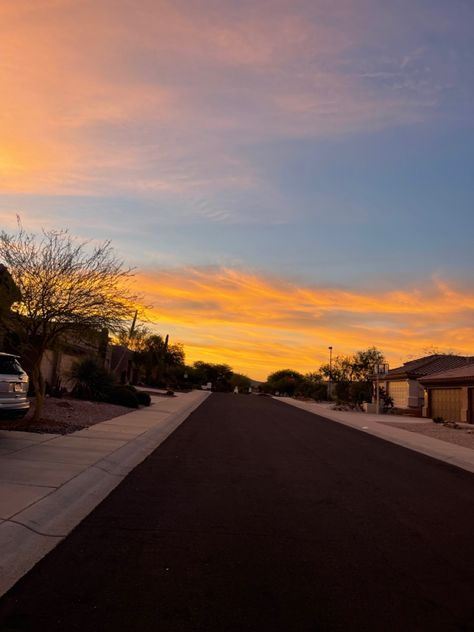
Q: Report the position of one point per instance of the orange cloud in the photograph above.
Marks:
(101, 97)
(259, 324)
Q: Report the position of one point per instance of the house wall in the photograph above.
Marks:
(57, 365)
(398, 391)
(415, 394)
(406, 393)
(48, 363)
(465, 416)
(121, 363)
(64, 370)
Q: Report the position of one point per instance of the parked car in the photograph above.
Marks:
(13, 387)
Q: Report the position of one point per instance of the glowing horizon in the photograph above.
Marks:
(259, 325)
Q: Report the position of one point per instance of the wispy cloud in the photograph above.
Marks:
(259, 324)
(157, 99)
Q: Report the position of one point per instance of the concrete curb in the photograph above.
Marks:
(31, 533)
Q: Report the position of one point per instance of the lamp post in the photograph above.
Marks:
(380, 370)
(330, 372)
(377, 393)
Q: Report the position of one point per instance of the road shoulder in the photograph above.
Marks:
(377, 426)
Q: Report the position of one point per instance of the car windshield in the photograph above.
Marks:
(10, 366)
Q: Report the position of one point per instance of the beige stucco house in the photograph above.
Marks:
(403, 383)
(450, 394)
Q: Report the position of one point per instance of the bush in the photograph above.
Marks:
(387, 401)
(360, 392)
(123, 396)
(143, 398)
(320, 392)
(93, 382)
(342, 392)
(312, 389)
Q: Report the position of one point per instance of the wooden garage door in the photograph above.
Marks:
(446, 403)
(398, 391)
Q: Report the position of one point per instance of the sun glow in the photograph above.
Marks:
(259, 324)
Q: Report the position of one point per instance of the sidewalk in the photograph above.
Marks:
(442, 450)
(49, 483)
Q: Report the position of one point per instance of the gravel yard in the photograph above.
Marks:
(460, 436)
(65, 415)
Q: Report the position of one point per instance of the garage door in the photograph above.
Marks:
(446, 403)
(398, 391)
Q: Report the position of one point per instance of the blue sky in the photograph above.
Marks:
(322, 144)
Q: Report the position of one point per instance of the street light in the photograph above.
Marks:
(380, 370)
(330, 372)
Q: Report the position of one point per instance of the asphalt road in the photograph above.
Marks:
(257, 516)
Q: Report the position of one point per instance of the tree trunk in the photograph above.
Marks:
(37, 380)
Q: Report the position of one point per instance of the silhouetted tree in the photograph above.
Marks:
(66, 287)
(9, 294)
(243, 382)
(353, 375)
(219, 374)
(158, 359)
(284, 381)
(358, 367)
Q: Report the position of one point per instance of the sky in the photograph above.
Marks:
(284, 176)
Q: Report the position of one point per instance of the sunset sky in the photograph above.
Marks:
(284, 175)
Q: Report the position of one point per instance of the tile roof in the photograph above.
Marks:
(429, 364)
(465, 372)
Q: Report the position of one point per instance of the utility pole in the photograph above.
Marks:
(380, 369)
(330, 372)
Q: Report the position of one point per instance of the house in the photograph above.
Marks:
(57, 363)
(120, 363)
(450, 394)
(403, 385)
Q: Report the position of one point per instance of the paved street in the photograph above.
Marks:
(254, 515)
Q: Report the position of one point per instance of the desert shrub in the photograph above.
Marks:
(360, 392)
(385, 399)
(143, 398)
(123, 396)
(93, 382)
(342, 392)
(312, 389)
(320, 392)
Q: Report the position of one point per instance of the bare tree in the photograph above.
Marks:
(67, 287)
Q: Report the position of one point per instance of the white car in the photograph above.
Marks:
(13, 387)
